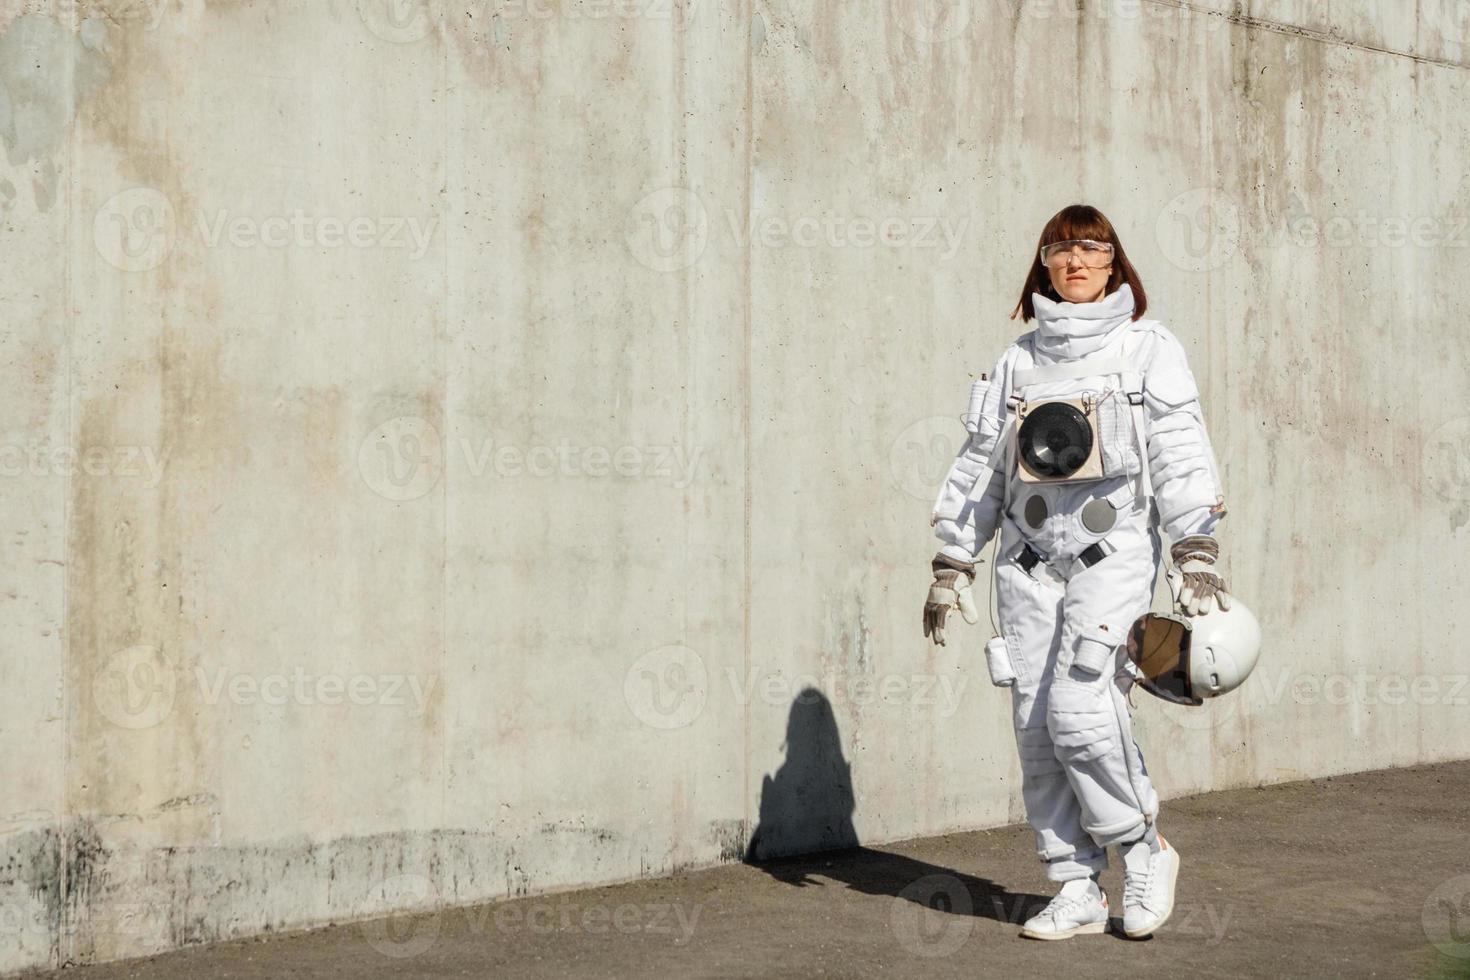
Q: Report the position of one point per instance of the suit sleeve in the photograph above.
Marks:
(1181, 461)
(965, 526)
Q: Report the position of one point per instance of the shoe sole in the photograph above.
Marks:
(1173, 880)
(1090, 928)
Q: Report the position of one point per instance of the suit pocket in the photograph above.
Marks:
(1095, 650)
(1118, 443)
(998, 661)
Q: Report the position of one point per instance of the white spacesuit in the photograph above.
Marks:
(1077, 557)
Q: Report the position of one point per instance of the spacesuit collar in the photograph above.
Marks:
(1069, 330)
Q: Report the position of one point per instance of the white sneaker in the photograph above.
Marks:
(1081, 907)
(1148, 888)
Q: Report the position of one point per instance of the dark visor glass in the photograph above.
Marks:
(1159, 646)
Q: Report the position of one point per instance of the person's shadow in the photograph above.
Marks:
(806, 810)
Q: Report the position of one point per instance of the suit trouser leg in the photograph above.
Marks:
(1083, 778)
(1088, 713)
(1031, 618)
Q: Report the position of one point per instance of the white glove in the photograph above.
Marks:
(950, 590)
(1202, 587)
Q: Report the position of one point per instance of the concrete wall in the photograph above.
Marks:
(451, 454)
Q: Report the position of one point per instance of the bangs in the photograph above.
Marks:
(1068, 225)
(1078, 222)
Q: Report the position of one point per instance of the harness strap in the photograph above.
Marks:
(1070, 370)
(1133, 385)
(1002, 449)
(1008, 460)
(1028, 558)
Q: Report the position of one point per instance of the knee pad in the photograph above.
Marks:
(1081, 722)
(1037, 755)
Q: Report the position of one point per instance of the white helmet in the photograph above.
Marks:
(1185, 659)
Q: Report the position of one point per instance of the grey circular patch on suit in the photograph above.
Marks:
(1099, 516)
(1035, 510)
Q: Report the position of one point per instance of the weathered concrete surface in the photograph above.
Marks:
(441, 444)
(1355, 876)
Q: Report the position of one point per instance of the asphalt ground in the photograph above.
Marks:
(1364, 875)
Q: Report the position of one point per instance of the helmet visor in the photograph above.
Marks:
(1159, 647)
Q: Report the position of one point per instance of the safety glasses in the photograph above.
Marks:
(1093, 255)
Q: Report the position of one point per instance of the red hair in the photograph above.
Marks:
(1073, 222)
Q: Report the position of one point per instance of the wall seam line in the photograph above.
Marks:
(1306, 33)
(63, 838)
(746, 329)
(444, 421)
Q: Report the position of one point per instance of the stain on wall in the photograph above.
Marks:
(46, 71)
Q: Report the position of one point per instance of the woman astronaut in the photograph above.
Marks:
(1085, 440)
